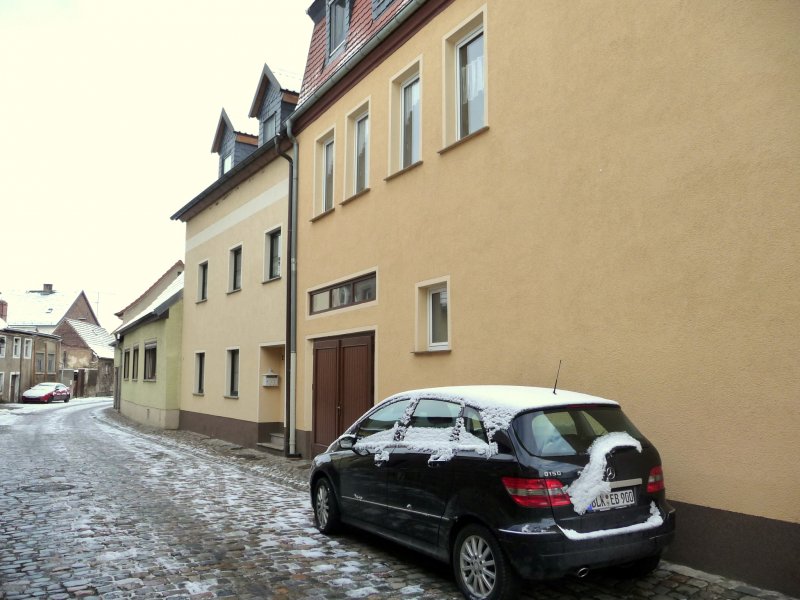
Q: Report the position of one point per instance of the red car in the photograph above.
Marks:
(46, 392)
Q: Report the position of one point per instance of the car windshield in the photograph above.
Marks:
(570, 431)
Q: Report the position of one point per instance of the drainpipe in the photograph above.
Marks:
(290, 412)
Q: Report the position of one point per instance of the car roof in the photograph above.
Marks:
(516, 398)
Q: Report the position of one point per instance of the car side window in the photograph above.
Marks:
(435, 413)
(473, 425)
(382, 419)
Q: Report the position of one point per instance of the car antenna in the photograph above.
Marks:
(557, 372)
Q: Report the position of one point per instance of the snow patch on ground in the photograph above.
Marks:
(200, 587)
(362, 592)
(590, 484)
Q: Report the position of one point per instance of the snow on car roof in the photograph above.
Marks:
(513, 397)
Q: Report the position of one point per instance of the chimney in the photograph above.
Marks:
(47, 288)
(3, 310)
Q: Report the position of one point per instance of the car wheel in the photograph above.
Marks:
(326, 508)
(640, 567)
(481, 569)
(66, 399)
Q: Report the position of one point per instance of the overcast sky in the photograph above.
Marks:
(108, 109)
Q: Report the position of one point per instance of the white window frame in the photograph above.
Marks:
(415, 132)
(16, 347)
(2, 346)
(202, 281)
(27, 348)
(232, 253)
(412, 73)
(333, 49)
(453, 41)
(269, 255)
(51, 355)
(351, 171)
(269, 128)
(2, 383)
(465, 42)
(229, 353)
(433, 345)
(324, 143)
(424, 295)
(227, 163)
(199, 373)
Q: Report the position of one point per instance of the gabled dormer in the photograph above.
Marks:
(272, 104)
(231, 145)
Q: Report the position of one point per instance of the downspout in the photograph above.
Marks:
(290, 411)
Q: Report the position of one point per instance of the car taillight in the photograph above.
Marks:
(536, 493)
(655, 482)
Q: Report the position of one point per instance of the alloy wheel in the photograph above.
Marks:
(322, 505)
(478, 569)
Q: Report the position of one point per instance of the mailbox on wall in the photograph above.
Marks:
(270, 379)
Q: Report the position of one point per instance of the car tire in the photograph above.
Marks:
(481, 569)
(640, 567)
(326, 508)
(66, 400)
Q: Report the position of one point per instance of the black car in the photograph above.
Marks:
(506, 483)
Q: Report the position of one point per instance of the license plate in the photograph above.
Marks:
(614, 499)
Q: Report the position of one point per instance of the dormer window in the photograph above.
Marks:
(269, 127)
(337, 25)
(227, 163)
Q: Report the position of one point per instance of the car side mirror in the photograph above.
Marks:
(347, 442)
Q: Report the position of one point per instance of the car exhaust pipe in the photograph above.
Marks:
(582, 572)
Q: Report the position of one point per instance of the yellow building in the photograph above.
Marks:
(488, 188)
(234, 315)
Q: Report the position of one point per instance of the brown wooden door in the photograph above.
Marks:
(343, 386)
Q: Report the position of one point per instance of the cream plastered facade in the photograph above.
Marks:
(252, 319)
(631, 211)
(153, 402)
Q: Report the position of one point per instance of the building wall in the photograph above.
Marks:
(631, 210)
(252, 319)
(23, 368)
(155, 402)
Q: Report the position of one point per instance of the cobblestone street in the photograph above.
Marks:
(93, 506)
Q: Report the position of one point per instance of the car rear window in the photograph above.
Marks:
(569, 431)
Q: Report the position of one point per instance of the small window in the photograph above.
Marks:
(39, 362)
(438, 335)
(150, 364)
(355, 291)
(51, 362)
(199, 372)
(337, 24)
(2, 383)
(227, 163)
(268, 128)
(470, 85)
(405, 149)
(382, 419)
(410, 129)
(273, 254)
(433, 316)
(232, 373)
(361, 159)
(135, 363)
(465, 79)
(327, 176)
(28, 344)
(2, 346)
(202, 281)
(235, 266)
(15, 350)
(126, 364)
